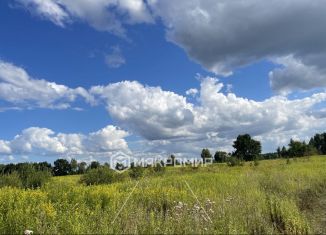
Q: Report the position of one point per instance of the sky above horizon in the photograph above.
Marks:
(87, 79)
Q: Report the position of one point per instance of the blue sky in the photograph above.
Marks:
(267, 77)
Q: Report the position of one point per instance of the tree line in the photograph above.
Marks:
(60, 167)
(249, 149)
(246, 149)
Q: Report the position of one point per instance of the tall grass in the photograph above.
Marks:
(217, 199)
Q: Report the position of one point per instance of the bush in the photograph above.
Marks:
(234, 161)
(102, 175)
(36, 179)
(10, 180)
(32, 178)
(159, 168)
(26, 178)
(136, 172)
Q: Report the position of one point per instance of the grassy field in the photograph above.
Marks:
(273, 197)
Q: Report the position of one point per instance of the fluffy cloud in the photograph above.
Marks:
(4, 147)
(224, 35)
(150, 111)
(107, 139)
(103, 15)
(168, 122)
(20, 89)
(42, 141)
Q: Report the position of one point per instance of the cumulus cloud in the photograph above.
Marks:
(103, 15)
(4, 147)
(150, 111)
(166, 122)
(38, 141)
(294, 74)
(166, 119)
(225, 35)
(115, 59)
(17, 87)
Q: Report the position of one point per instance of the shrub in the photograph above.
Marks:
(234, 161)
(159, 168)
(36, 179)
(102, 175)
(10, 180)
(26, 178)
(136, 172)
(32, 178)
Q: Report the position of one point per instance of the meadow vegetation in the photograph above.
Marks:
(274, 196)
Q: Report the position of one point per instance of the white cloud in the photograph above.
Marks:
(37, 141)
(107, 139)
(20, 89)
(115, 59)
(103, 15)
(151, 112)
(192, 92)
(225, 35)
(167, 122)
(46, 9)
(159, 115)
(164, 119)
(4, 147)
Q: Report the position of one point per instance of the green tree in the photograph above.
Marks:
(284, 152)
(61, 167)
(311, 150)
(279, 152)
(299, 149)
(206, 154)
(247, 148)
(74, 166)
(319, 142)
(220, 156)
(296, 149)
(94, 165)
(42, 166)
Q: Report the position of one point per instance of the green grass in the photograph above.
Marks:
(274, 197)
